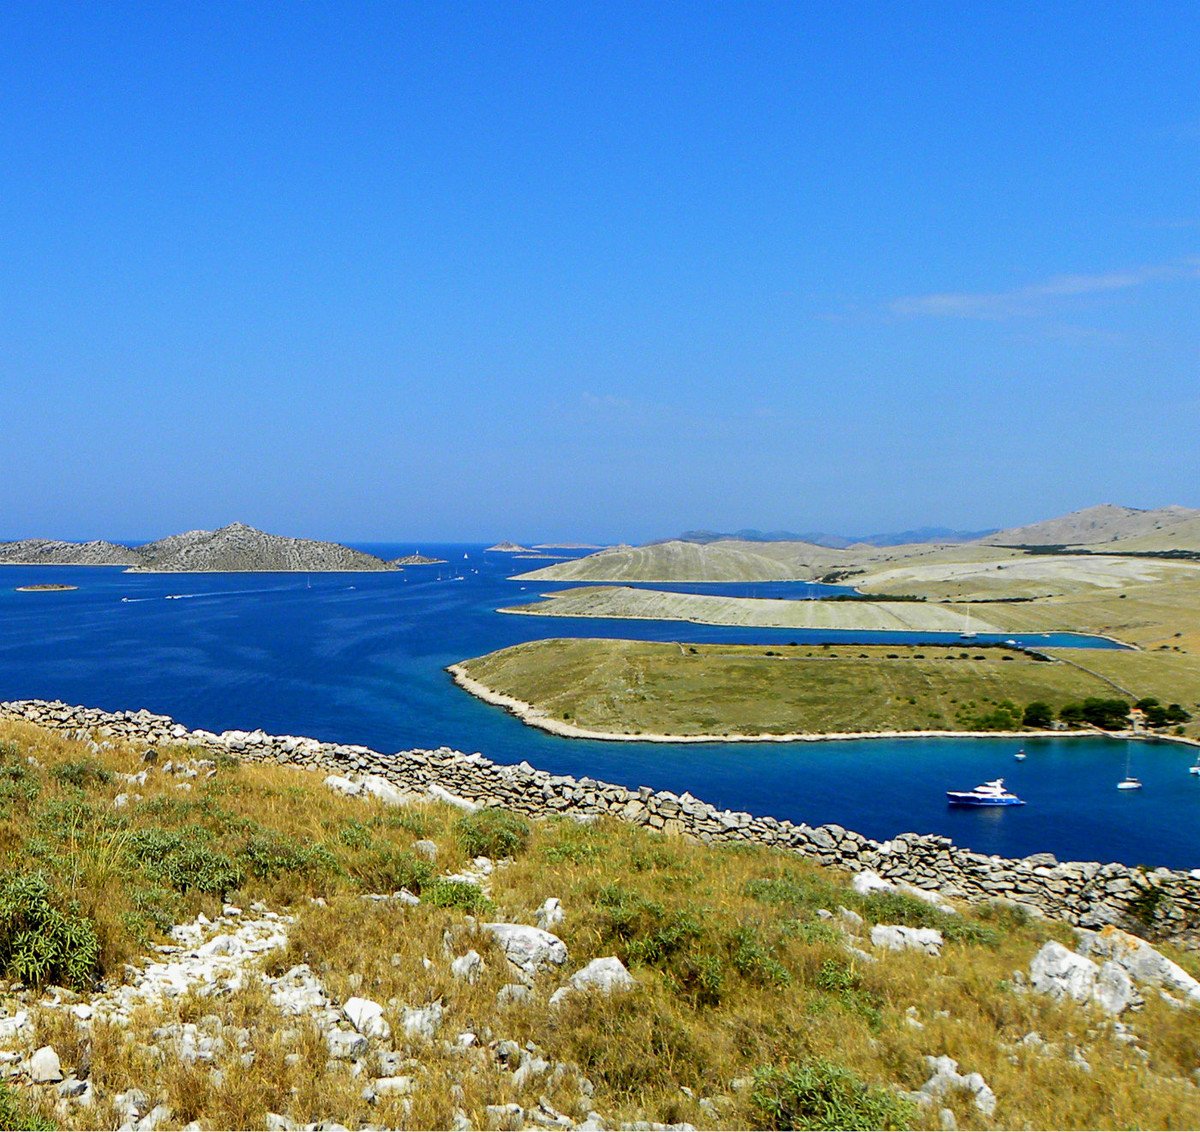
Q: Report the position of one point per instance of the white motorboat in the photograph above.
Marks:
(988, 794)
(1020, 755)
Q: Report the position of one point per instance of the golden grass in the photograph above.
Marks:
(788, 991)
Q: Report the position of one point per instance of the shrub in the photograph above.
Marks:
(752, 959)
(267, 854)
(185, 860)
(14, 1114)
(455, 894)
(39, 943)
(649, 933)
(18, 784)
(384, 868)
(821, 1095)
(492, 833)
(81, 774)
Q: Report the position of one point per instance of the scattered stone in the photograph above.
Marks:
(427, 849)
(528, 949)
(505, 1117)
(422, 1022)
(400, 1086)
(345, 1045)
(550, 914)
(44, 1067)
(945, 1078)
(512, 993)
(605, 975)
(894, 937)
(367, 1018)
(468, 967)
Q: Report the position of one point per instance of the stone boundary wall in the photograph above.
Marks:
(1157, 903)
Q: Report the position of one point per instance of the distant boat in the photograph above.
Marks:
(1129, 782)
(1193, 769)
(968, 631)
(988, 794)
(1020, 755)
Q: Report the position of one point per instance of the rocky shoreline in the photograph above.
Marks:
(1155, 903)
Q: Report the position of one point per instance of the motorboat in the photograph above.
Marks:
(1128, 783)
(1020, 755)
(1194, 768)
(988, 794)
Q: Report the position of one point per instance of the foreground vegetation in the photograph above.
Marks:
(749, 1008)
(640, 687)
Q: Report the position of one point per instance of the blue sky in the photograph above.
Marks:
(604, 271)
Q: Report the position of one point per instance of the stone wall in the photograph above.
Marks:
(1158, 903)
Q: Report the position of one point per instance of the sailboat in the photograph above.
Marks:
(1129, 782)
(967, 630)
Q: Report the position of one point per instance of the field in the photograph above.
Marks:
(750, 1008)
(634, 687)
(625, 601)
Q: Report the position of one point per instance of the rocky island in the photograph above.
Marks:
(45, 587)
(235, 548)
(417, 560)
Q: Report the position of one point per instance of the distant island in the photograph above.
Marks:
(235, 548)
(511, 548)
(417, 560)
(44, 587)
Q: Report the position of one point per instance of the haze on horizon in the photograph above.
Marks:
(595, 271)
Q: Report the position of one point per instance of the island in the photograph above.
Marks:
(510, 548)
(236, 548)
(418, 560)
(44, 587)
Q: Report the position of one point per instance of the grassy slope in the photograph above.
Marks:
(624, 601)
(631, 687)
(735, 969)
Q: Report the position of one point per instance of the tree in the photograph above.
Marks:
(1038, 714)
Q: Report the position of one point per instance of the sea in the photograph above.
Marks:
(361, 657)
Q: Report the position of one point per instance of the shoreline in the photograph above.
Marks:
(536, 717)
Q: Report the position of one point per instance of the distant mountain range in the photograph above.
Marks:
(838, 542)
(230, 549)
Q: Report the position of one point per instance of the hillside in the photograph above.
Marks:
(55, 552)
(1104, 524)
(275, 953)
(238, 547)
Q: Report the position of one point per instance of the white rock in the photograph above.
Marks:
(512, 993)
(395, 1086)
(44, 1066)
(528, 949)
(385, 791)
(504, 1117)
(550, 914)
(469, 967)
(444, 795)
(1140, 960)
(1062, 974)
(367, 1018)
(866, 882)
(604, 975)
(945, 1077)
(345, 1045)
(1114, 990)
(898, 938)
(422, 1021)
(427, 849)
(342, 785)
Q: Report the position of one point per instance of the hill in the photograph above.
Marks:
(1110, 525)
(271, 949)
(55, 552)
(839, 542)
(238, 547)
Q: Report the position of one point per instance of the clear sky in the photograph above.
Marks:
(602, 271)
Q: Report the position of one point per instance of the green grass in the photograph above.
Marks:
(635, 687)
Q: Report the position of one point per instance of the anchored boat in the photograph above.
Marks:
(988, 794)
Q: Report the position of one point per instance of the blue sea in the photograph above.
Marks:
(360, 658)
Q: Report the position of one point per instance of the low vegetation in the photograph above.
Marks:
(637, 687)
(749, 1009)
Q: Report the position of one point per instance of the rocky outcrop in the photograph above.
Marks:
(1155, 903)
(417, 560)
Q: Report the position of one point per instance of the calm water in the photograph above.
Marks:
(359, 658)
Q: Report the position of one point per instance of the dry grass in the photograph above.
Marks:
(735, 971)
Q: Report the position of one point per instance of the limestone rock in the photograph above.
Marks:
(1140, 960)
(550, 914)
(897, 938)
(1061, 973)
(528, 949)
(422, 1021)
(469, 967)
(367, 1018)
(605, 975)
(945, 1077)
(44, 1067)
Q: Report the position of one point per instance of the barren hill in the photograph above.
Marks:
(238, 547)
(55, 552)
(1104, 524)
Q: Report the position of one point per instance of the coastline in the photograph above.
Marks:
(536, 717)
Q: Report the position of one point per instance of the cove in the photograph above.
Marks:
(358, 658)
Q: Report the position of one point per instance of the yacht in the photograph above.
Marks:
(1129, 782)
(988, 794)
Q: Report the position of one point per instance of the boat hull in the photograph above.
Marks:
(955, 798)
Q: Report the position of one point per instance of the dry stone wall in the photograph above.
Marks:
(1157, 903)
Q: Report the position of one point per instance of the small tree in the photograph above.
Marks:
(1038, 714)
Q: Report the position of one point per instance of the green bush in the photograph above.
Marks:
(752, 958)
(18, 784)
(821, 1095)
(492, 833)
(355, 835)
(185, 861)
(14, 1114)
(643, 929)
(1038, 714)
(40, 944)
(81, 774)
(384, 868)
(267, 854)
(455, 894)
